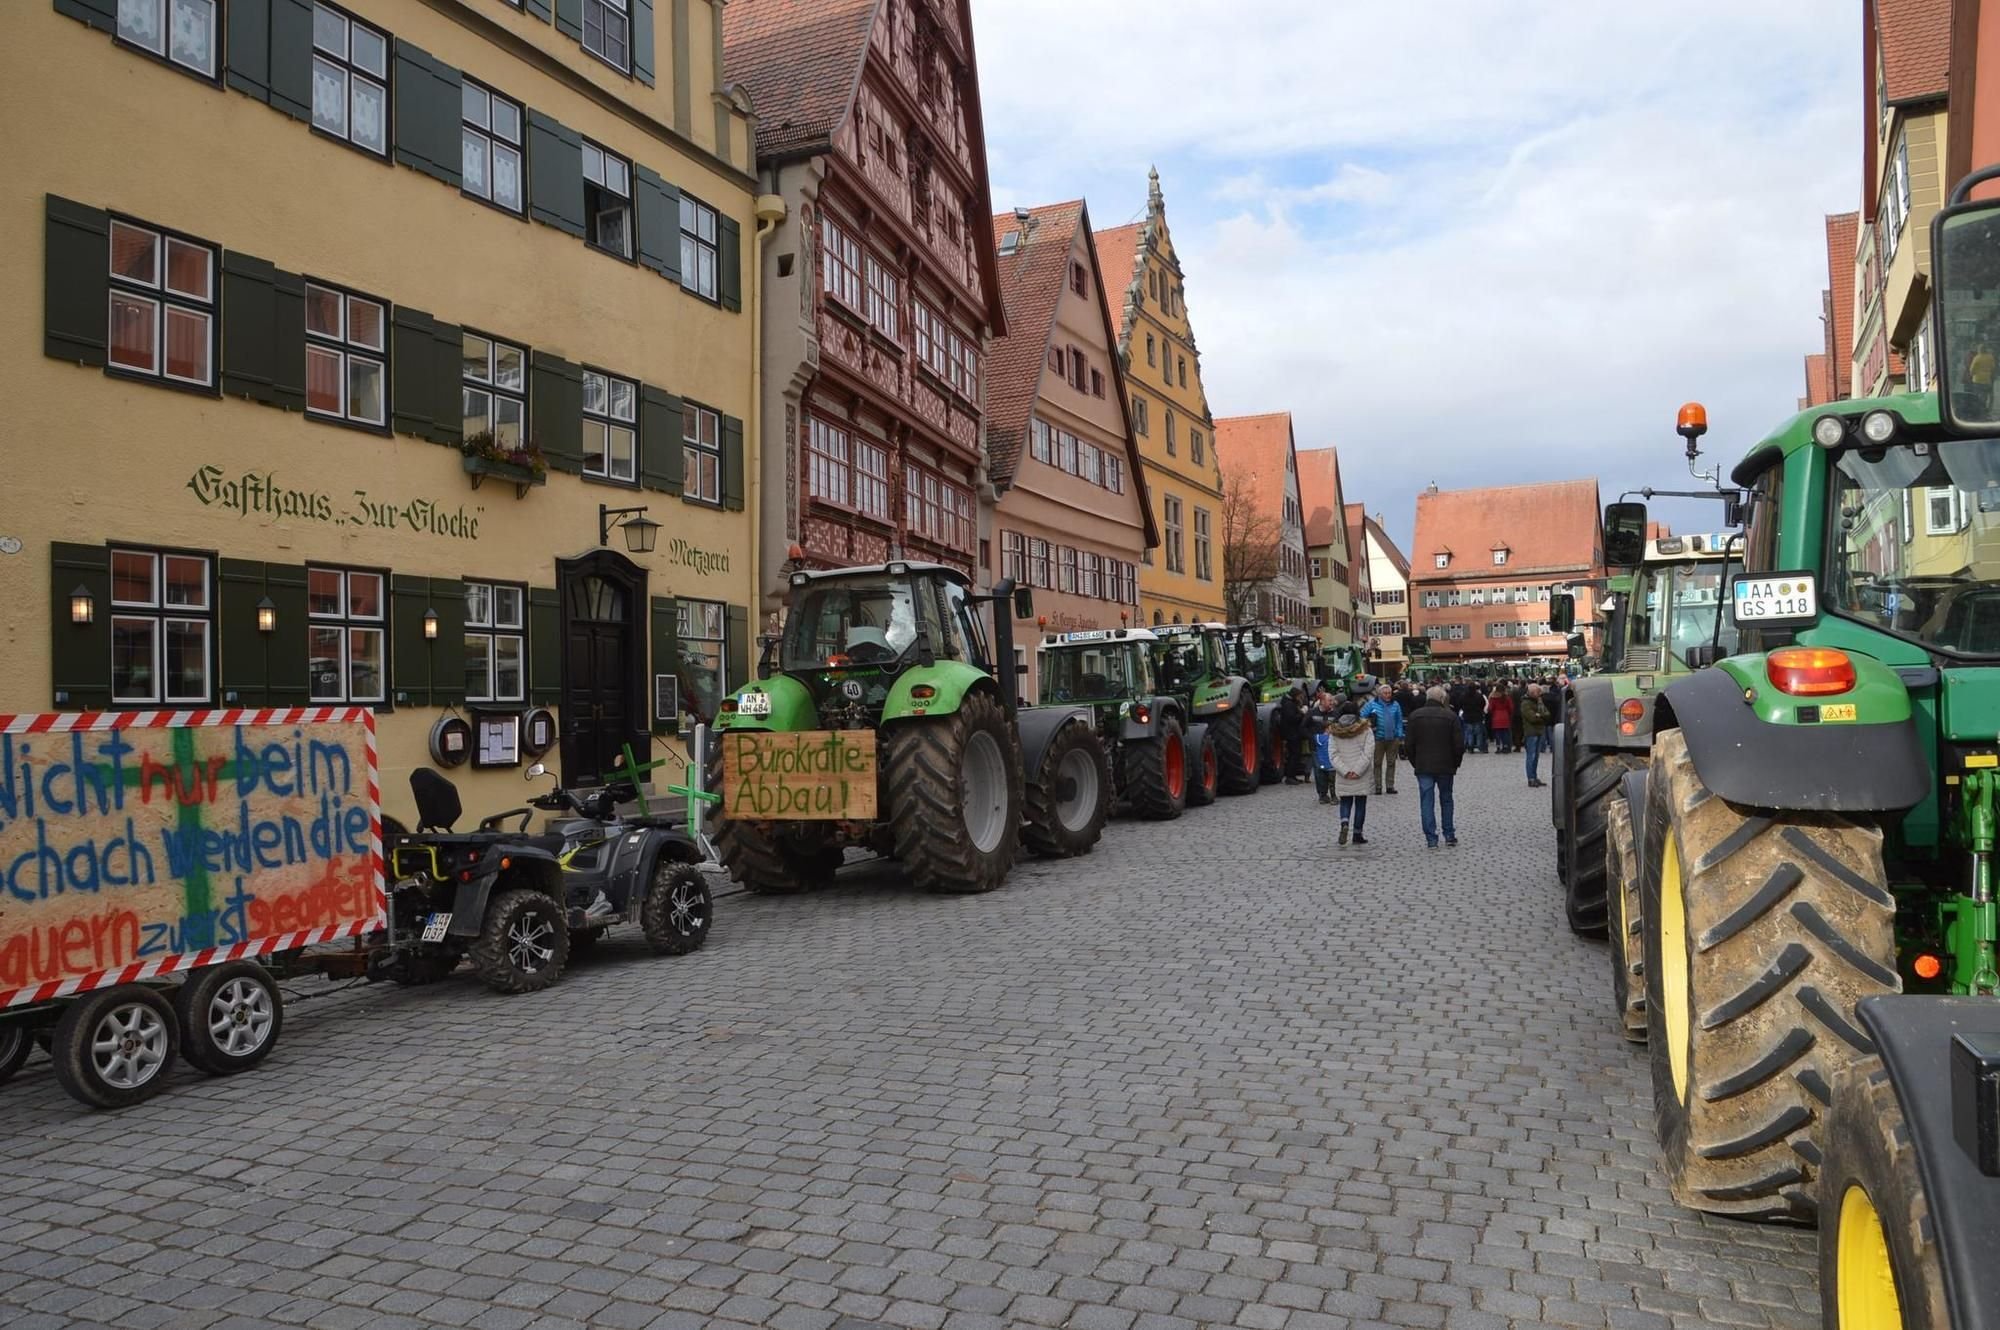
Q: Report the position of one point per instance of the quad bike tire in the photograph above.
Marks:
(678, 910)
(1879, 1263)
(1627, 945)
(1762, 930)
(1070, 799)
(1204, 771)
(955, 796)
(1238, 742)
(16, 1042)
(1156, 773)
(1594, 782)
(523, 943)
(230, 1017)
(116, 1047)
(772, 859)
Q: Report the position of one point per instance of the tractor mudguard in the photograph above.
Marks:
(951, 680)
(538, 866)
(1038, 728)
(1158, 709)
(1219, 697)
(1197, 734)
(1914, 1035)
(792, 707)
(1597, 715)
(1836, 768)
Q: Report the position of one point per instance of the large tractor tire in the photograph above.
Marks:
(955, 796)
(1238, 742)
(1156, 773)
(1628, 948)
(1070, 797)
(1762, 930)
(1204, 770)
(1879, 1264)
(1595, 776)
(772, 858)
(1271, 752)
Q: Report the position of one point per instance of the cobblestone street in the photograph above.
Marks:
(1219, 1074)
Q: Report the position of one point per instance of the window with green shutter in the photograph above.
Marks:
(76, 281)
(544, 647)
(80, 647)
(659, 208)
(731, 260)
(555, 173)
(666, 664)
(732, 464)
(555, 410)
(428, 113)
(661, 451)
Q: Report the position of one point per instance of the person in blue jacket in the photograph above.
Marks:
(1386, 715)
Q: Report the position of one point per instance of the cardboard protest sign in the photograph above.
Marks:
(805, 775)
(139, 843)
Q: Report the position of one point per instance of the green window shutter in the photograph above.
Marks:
(659, 206)
(287, 682)
(660, 446)
(244, 675)
(732, 463)
(99, 14)
(555, 174)
(412, 354)
(288, 340)
(249, 330)
(248, 48)
(569, 18)
(540, 9)
(642, 40)
(80, 653)
(544, 647)
(428, 109)
(735, 646)
(555, 410)
(411, 654)
(446, 384)
(666, 658)
(729, 260)
(76, 285)
(292, 57)
(448, 659)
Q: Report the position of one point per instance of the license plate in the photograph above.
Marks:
(1765, 598)
(435, 925)
(1837, 711)
(754, 704)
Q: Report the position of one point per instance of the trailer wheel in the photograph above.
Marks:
(1071, 797)
(678, 910)
(16, 1042)
(1762, 928)
(1593, 783)
(772, 859)
(1628, 947)
(955, 794)
(230, 1017)
(113, 1048)
(1879, 1263)
(523, 943)
(1156, 772)
(1236, 744)
(1204, 770)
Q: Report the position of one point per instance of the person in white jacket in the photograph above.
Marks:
(1346, 750)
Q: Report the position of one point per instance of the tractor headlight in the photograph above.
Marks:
(1879, 426)
(1828, 431)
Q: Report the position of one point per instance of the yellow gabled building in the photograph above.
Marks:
(1182, 580)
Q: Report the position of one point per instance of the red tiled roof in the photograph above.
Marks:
(1319, 492)
(1397, 558)
(1843, 234)
(1819, 382)
(1550, 527)
(1916, 48)
(800, 61)
(1251, 452)
(1117, 255)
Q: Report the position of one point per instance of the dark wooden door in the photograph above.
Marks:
(602, 667)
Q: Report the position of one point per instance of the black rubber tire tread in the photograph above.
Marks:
(68, 1047)
(771, 859)
(16, 1042)
(1868, 1144)
(1770, 1000)
(1204, 772)
(1042, 832)
(656, 916)
(1145, 762)
(1270, 756)
(1627, 946)
(490, 961)
(1595, 779)
(1234, 777)
(924, 759)
(191, 999)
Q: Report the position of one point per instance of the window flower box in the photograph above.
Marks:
(523, 467)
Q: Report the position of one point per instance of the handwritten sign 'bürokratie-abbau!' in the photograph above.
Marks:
(143, 843)
(810, 775)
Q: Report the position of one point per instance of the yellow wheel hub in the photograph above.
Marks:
(1865, 1282)
(1675, 961)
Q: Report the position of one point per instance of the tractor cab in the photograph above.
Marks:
(1102, 667)
(1257, 651)
(1189, 654)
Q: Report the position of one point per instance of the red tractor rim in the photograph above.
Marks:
(1249, 740)
(1209, 774)
(1176, 767)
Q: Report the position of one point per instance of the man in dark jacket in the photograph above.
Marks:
(1291, 726)
(1434, 741)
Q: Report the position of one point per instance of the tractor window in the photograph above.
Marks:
(966, 627)
(850, 623)
(1251, 650)
(1091, 674)
(1698, 599)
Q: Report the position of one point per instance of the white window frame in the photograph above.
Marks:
(1500, 558)
(1204, 560)
(1443, 560)
(701, 252)
(160, 617)
(159, 41)
(339, 345)
(611, 176)
(611, 406)
(151, 296)
(496, 618)
(349, 624)
(885, 297)
(599, 16)
(1949, 496)
(1170, 508)
(701, 454)
(494, 383)
(335, 61)
(829, 462)
(871, 479)
(485, 139)
(840, 265)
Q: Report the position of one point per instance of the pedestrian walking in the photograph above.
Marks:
(1436, 744)
(1346, 752)
(1291, 733)
(1500, 718)
(1471, 701)
(1385, 714)
(1535, 720)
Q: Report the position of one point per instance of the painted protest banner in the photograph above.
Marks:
(140, 843)
(807, 775)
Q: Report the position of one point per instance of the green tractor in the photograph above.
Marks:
(898, 653)
(1162, 760)
(1191, 662)
(1812, 840)
(1275, 660)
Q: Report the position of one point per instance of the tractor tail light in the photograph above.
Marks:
(1927, 966)
(1809, 671)
(728, 707)
(1142, 713)
(923, 692)
(1629, 712)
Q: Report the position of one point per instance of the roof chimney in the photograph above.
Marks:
(1021, 215)
(1432, 488)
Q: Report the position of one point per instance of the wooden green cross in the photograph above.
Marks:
(697, 799)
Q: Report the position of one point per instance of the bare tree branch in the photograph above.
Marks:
(1251, 536)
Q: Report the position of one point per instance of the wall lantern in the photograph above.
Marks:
(430, 625)
(82, 605)
(267, 616)
(641, 532)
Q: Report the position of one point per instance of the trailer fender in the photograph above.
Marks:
(528, 865)
(1915, 1038)
(1841, 768)
(1038, 727)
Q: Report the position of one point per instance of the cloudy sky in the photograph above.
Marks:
(1474, 242)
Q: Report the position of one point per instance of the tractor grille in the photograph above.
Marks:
(1643, 658)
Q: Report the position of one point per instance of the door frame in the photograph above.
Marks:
(616, 568)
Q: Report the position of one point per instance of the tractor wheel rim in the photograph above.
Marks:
(240, 1016)
(129, 1046)
(1249, 740)
(982, 792)
(1077, 774)
(530, 942)
(1675, 963)
(1176, 767)
(1864, 1277)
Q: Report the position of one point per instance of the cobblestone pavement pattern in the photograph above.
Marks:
(1219, 1074)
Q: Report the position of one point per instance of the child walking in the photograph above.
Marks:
(1345, 750)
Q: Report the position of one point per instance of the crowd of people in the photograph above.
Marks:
(1353, 744)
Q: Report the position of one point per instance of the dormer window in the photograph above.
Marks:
(1010, 242)
(1443, 558)
(1499, 556)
